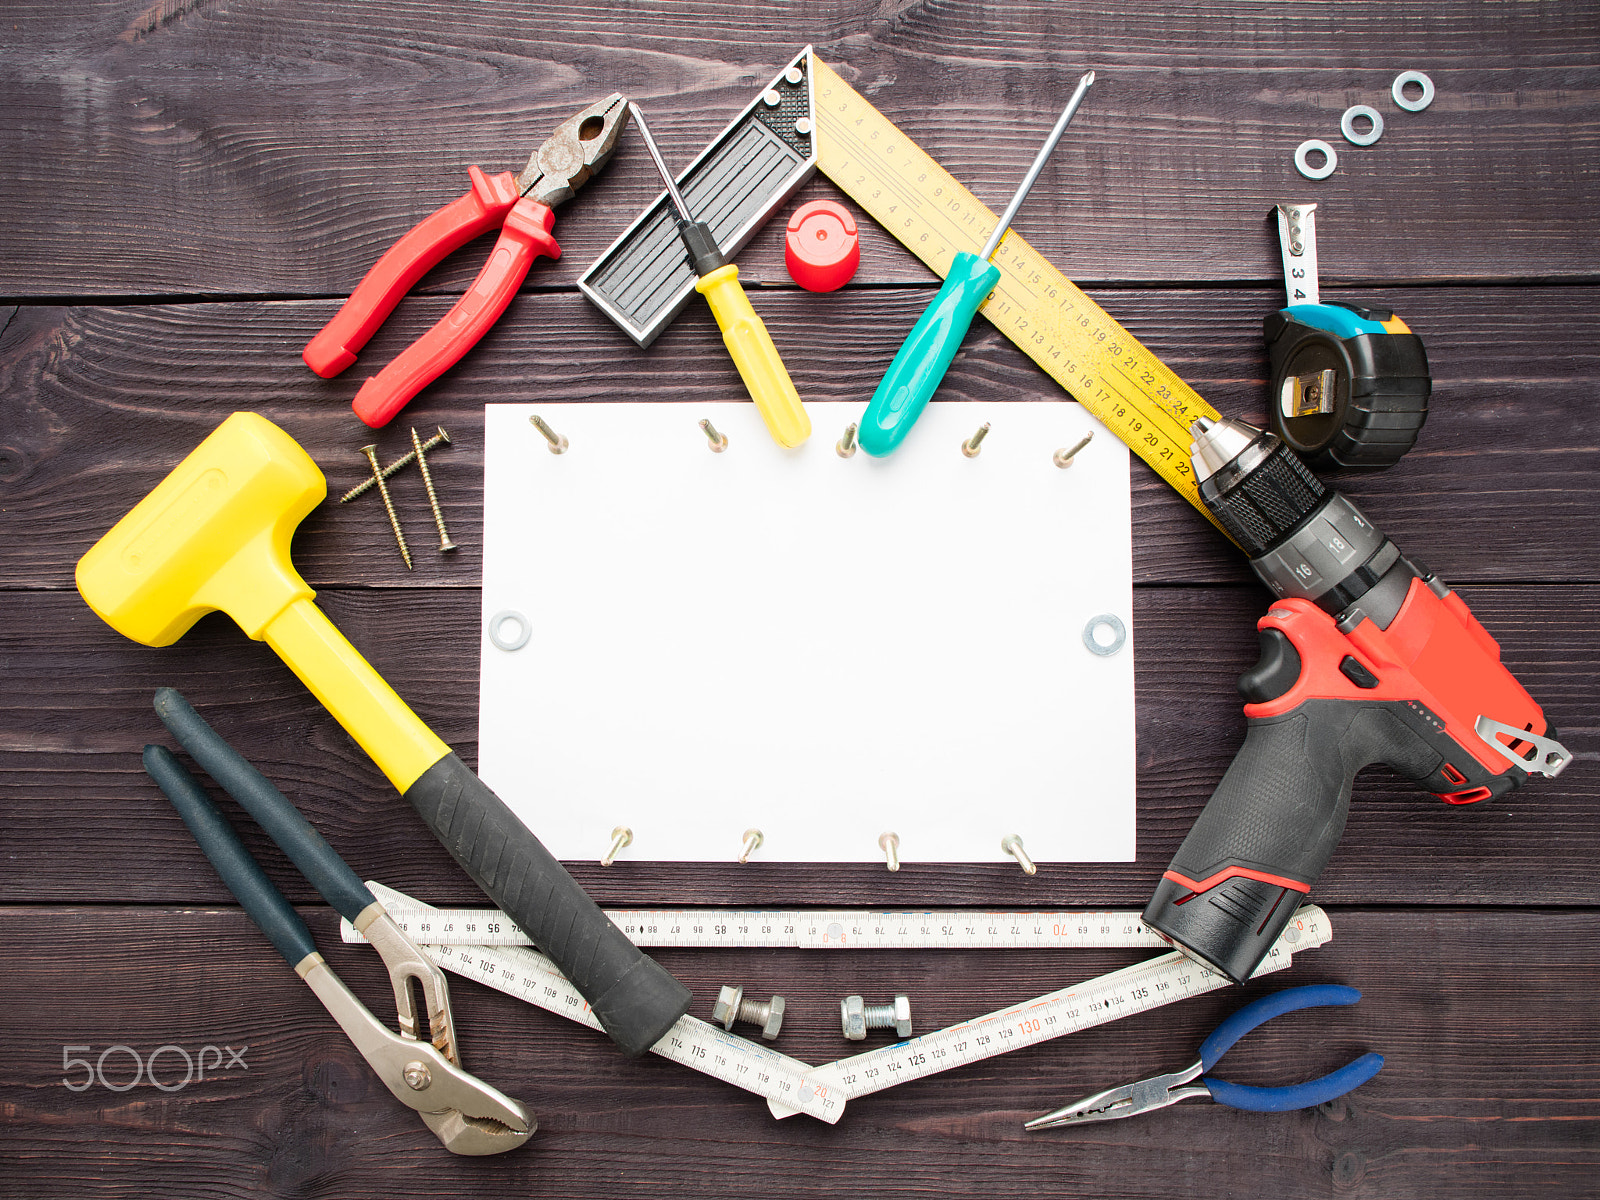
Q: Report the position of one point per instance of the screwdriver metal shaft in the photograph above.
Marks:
(746, 337)
(920, 365)
(1039, 160)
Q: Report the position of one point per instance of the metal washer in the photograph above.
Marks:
(1119, 634)
(499, 620)
(1305, 168)
(1398, 91)
(1347, 124)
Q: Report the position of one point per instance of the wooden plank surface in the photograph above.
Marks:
(191, 187)
(1486, 1091)
(279, 148)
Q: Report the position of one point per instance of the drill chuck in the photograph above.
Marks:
(1303, 539)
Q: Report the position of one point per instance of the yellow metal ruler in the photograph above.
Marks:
(1098, 362)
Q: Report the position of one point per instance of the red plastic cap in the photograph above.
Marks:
(821, 247)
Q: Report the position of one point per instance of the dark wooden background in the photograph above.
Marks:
(188, 190)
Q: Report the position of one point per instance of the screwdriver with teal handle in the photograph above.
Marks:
(919, 367)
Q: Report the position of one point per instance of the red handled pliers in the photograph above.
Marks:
(522, 205)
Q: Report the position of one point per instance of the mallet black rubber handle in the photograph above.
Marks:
(635, 998)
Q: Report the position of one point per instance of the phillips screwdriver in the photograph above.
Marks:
(746, 337)
(920, 365)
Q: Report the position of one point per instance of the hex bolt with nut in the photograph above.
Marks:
(731, 1006)
(857, 1016)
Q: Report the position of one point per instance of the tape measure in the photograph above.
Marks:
(800, 929)
(789, 1085)
(1098, 362)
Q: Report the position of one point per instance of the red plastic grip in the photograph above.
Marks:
(407, 261)
(526, 236)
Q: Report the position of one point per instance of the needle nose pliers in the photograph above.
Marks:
(1161, 1090)
(522, 205)
(466, 1114)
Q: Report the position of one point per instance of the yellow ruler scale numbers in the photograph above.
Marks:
(1098, 362)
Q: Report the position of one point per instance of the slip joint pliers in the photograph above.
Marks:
(467, 1115)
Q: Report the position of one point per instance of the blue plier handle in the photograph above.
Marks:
(1162, 1090)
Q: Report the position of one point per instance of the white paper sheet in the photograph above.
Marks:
(824, 649)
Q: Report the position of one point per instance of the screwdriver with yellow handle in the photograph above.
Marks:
(747, 339)
(925, 356)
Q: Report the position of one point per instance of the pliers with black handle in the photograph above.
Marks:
(466, 1114)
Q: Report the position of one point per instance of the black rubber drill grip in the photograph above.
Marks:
(635, 999)
(1279, 811)
(244, 877)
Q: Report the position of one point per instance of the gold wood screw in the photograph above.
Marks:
(719, 442)
(439, 439)
(377, 477)
(970, 446)
(621, 837)
(1063, 458)
(433, 500)
(846, 446)
(558, 444)
(1012, 845)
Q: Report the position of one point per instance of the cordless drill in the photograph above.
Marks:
(1366, 657)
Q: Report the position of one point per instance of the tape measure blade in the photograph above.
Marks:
(1131, 391)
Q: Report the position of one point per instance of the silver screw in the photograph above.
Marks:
(558, 444)
(433, 500)
(889, 843)
(377, 477)
(846, 446)
(439, 439)
(731, 1006)
(752, 842)
(718, 442)
(1012, 845)
(621, 836)
(417, 1076)
(971, 445)
(856, 1016)
(1063, 458)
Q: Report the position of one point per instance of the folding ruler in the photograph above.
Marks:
(791, 1086)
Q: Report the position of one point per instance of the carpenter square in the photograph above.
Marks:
(644, 279)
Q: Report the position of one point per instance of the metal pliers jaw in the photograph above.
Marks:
(407, 963)
(579, 147)
(467, 1115)
(1128, 1100)
(1159, 1091)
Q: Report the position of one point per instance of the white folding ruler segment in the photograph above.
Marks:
(800, 929)
(791, 1086)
